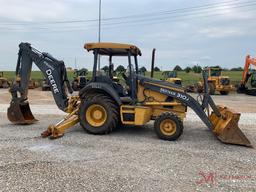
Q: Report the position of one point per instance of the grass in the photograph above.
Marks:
(187, 78)
(192, 78)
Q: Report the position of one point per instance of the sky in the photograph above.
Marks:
(184, 32)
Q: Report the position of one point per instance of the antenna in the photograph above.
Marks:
(99, 32)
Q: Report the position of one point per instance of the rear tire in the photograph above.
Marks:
(98, 114)
(224, 92)
(168, 126)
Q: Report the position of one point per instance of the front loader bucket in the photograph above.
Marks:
(226, 127)
(20, 113)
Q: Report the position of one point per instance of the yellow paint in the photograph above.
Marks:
(168, 127)
(96, 115)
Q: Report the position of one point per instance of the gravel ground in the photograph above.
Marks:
(130, 159)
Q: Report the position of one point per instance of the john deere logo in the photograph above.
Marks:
(174, 94)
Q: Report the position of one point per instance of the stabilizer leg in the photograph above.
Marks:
(58, 130)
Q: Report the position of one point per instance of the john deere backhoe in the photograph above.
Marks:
(246, 86)
(103, 103)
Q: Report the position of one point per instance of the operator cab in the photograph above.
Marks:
(215, 71)
(122, 81)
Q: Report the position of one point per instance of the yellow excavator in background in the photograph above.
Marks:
(104, 103)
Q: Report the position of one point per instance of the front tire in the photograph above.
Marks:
(98, 114)
(168, 126)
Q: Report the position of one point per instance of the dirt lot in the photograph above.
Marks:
(130, 159)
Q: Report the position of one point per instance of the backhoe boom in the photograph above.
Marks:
(53, 69)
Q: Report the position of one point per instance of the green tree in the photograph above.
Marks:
(105, 68)
(197, 69)
(177, 68)
(188, 69)
(120, 68)
(156, 69)
(84, 70)
(143, 69)
(237, 69)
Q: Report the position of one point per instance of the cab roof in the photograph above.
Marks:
(113, 49)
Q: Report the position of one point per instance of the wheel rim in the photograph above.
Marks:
(168, 127)
(96, 115)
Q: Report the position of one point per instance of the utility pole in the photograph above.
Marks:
(75, 64)
(99, 33)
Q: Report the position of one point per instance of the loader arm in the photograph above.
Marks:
(53, 69)
(176, 92)
(223, 122)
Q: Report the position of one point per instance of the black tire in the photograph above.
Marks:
(211, 89)
(250, 92)
(224, 92)
(173, 118)
(109, 106)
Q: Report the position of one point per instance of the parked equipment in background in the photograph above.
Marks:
(4, 83)
(80, 79)
(103, 103)
(216, 82)
(46, 86)
(248, 82)
(32, 84)
(171, 76)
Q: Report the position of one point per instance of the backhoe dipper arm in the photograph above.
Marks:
(53, 69)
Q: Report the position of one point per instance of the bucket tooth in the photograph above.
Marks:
(20, 113)
(226, 128)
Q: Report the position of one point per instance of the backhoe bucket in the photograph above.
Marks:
(226, 127)
(20, 113)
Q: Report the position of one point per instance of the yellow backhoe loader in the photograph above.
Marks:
(32, 84)
(103, 103)
(216, 81)
(171, 76)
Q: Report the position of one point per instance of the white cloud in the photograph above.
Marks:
(197, 38)
(206, 58)
(28, 10)
(221, 32)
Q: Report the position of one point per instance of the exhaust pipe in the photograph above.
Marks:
(153, 63)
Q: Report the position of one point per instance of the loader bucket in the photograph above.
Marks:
(226, 127)
(20, 113)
